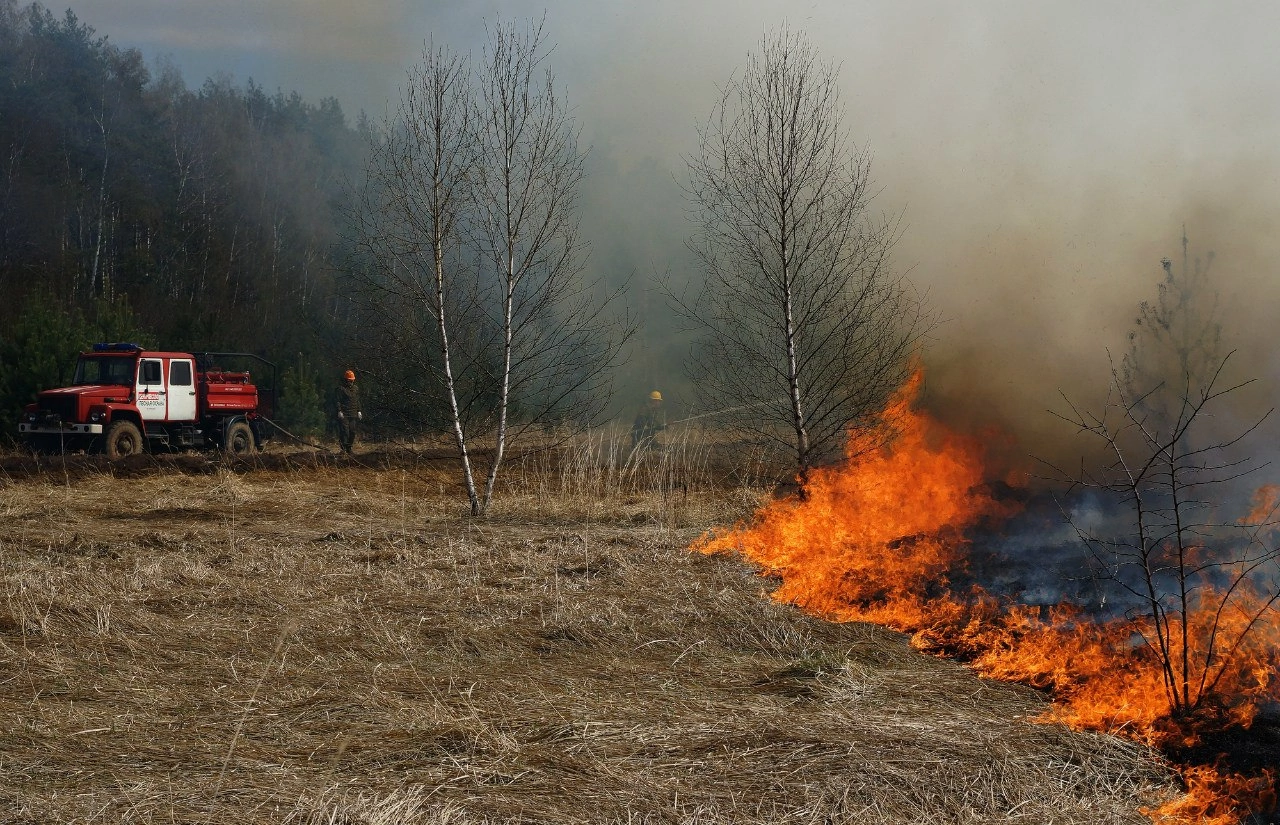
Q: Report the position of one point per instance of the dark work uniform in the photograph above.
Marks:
(651, 421)
(348, 402)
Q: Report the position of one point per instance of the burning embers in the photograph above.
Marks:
(886, 538)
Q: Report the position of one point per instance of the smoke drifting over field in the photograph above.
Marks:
(1044, 156)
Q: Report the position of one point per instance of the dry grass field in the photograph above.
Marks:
(338, 643)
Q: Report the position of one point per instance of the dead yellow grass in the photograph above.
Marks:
(343, 645)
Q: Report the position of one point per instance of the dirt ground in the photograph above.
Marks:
(339, 642)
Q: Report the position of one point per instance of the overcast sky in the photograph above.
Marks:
(1044, 155)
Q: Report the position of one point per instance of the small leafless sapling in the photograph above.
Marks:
(1204, 581)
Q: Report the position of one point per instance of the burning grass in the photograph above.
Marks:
(338, 643)
(878, 540)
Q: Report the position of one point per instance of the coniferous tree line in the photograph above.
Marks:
(222, 217)
(225, 217)
(130, 204)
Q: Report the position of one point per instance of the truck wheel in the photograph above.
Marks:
(239, 440)
(122, 439)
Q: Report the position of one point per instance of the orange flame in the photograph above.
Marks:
(877, 539)
(1266, 500)
(1213, 798)
(874, 540)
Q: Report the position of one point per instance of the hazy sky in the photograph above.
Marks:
(1045, 155)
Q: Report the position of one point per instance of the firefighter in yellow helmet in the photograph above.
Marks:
(651, 420)
(347, 397)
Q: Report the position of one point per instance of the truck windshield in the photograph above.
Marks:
(105, 369)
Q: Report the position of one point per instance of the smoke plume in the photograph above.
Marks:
(1043, 156)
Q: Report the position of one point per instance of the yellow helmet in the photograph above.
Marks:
(655, 396)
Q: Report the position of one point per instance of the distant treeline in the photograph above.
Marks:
(201, 218)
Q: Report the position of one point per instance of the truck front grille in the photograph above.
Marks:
(63, 405)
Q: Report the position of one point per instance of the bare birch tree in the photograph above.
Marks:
(416, 192)
(806, 328)
(468, 237)
(554, 336)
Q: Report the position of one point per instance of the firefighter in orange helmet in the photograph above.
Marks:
(347, 399)
(651, 420)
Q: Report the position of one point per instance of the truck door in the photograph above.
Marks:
(152, 395)
(182, 390)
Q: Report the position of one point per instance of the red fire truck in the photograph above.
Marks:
(124, 400)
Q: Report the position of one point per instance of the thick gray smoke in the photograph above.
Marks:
(1044, 156)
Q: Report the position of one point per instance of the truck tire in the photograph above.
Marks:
(239, 441)
(122, 439)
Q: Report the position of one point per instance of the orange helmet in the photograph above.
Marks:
(350, 375)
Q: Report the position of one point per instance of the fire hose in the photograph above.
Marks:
(296, 438)
(631, 460)
(719, 412)
(633, 457)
